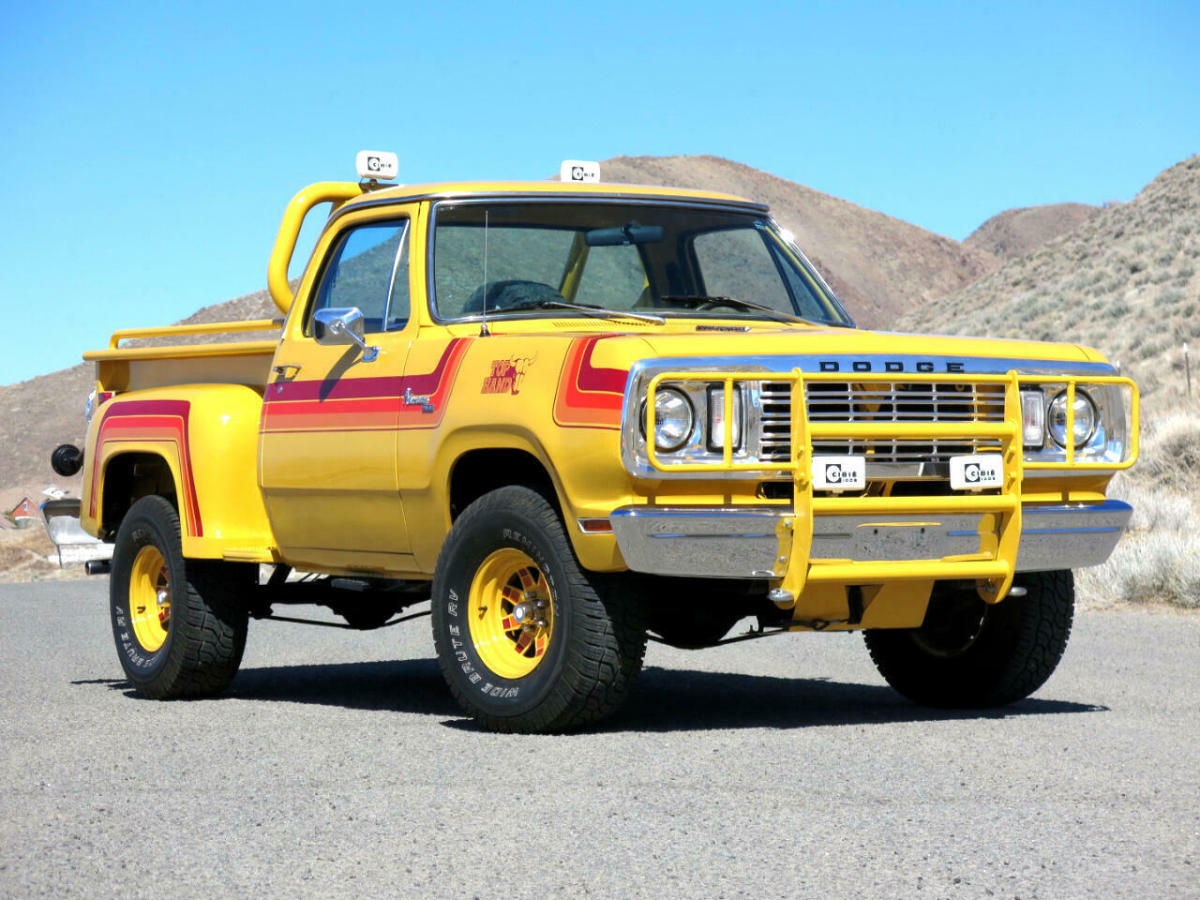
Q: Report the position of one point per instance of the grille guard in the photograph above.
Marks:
(995, 566)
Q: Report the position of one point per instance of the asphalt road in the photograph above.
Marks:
(339, 766)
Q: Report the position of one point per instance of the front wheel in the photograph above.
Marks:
(969, 653)
(527, 640)
(179, 624)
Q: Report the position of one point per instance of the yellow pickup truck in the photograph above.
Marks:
(570, 416)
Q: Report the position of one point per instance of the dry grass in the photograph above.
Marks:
(1158, 560)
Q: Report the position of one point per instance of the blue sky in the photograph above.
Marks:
(147, 150)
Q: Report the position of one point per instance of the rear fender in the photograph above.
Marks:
(206, 436)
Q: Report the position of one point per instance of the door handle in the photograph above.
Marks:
(284, 372)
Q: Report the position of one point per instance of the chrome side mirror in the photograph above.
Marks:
(338, 326)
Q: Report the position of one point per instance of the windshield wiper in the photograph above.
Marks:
(598, 311)
(734, 301)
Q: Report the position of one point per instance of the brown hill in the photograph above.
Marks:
(1017, 232)
(879, 265)
(1124, 281)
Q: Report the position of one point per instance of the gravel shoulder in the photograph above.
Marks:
(777, 768)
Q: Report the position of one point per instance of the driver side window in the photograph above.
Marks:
(368, 268)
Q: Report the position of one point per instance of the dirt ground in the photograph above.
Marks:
(23, 556)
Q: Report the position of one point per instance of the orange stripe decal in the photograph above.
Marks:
(588, 396)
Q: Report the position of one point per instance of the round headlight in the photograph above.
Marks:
(1085, 419)
(673, 420)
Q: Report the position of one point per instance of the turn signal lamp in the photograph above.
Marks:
(716, 418)
(1033, 419)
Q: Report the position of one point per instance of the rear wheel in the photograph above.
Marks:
(972, 654)
(179, 624)
(527, 640)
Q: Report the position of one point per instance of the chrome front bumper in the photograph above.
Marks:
(708, 542)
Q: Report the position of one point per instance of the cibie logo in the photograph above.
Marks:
(374, 164)
(973, 473)
(839, 473)
(984, 470)
(577, 173)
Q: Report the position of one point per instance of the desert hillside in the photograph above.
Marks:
(1125, 281)
(879, 265)
(1017, 232)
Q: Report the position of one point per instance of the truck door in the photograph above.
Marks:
(327, 459)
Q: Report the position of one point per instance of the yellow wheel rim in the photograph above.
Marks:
(511, 611)
(150, 598)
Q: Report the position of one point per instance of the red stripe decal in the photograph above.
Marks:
(588, 396)
(362, 404)
(156, 422)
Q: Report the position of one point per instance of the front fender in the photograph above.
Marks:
(429, 503)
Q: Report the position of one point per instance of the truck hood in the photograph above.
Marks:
(821, 349)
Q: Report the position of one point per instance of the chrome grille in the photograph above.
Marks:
(898, 401)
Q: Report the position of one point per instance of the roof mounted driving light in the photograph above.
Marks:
(377, 165)
(579, 170)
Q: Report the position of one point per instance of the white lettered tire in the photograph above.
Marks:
(527, 640)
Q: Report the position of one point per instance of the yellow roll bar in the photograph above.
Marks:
(335, 192)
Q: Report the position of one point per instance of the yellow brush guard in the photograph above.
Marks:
(995, 566)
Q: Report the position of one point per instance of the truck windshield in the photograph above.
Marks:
(527, 258)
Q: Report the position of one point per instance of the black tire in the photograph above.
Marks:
(196, 650)
(596, 636)
(971, 654)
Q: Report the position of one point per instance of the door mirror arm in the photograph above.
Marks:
(337, 326)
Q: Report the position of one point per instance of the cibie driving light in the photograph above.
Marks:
(377, 165)
(1033, 418)
(673, 420)
(1085, 418)
(579, 170)
(716, 418)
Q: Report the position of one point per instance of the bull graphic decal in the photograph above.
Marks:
(506, 375)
